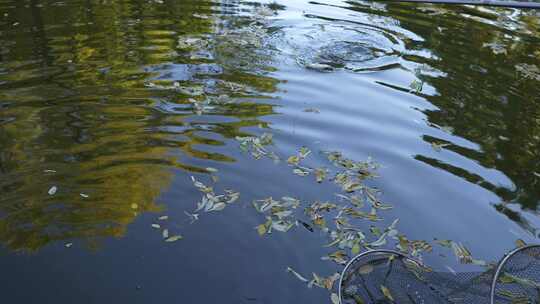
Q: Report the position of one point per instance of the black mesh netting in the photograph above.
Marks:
(518, 278)
(386, 276)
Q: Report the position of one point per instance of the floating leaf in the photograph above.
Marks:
(194, 217)
(339, 257)
(266, 139)
(297, 275)
(403, 244)
(261, 229)
(282, 214)
(418, 246)
(165, 233)
(216, 207)
(300, 172)
(232, 196)
(497, 48)
(174, 238)
(202, 187)
(321, 282)
(304, 152)
(319, 221)
(320, 174)
(163, 218)
(392, 232)
(202, 204)
(380, 242)
(365, 269)
(68, 245)
(83, 195)
(293, 160)
(290, 201)
(444, 243)
(438, 146)
(355, 249)
(256, 146)
(211, 170)
(386, 293)
(376, 203)
(351, 186)
(52, 190)
(375, 231)
(282, 226)
(529, 71)
(335, 298)
(479, 262)
(416, 86)
(156, 226)
(462, 253)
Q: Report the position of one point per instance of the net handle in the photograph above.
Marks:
(375, 251)
(502, 263)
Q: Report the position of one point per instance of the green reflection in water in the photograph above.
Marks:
(482, 97)
(94, 101)
(486, 100)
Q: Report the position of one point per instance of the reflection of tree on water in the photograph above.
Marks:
(482, 96)
(78, 113)
(499, 111)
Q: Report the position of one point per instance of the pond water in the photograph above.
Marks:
(108, 108)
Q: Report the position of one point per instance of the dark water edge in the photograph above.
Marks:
(124, 101)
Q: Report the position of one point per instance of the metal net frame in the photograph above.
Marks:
(517, 279)
(388, 276)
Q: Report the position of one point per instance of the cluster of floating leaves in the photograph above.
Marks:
(496, 48)
(357, 202)
(338, 221)
(279, 214)
(204, 97)
(256, 146)
(211, 201)
(342, 222)
(529, 71)
(165, 231)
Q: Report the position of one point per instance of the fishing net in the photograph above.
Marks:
(386, 276)
(517, 280)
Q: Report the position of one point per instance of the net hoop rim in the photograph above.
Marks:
(354, 259)
(502, 263)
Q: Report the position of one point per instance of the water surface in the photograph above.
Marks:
(118, 103)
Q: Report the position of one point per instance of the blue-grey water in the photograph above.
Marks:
(118, 103)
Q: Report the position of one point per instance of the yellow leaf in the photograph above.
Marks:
(261, 229)
(355, 249)
(365, 269)
(386, 293)
(293, 160)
